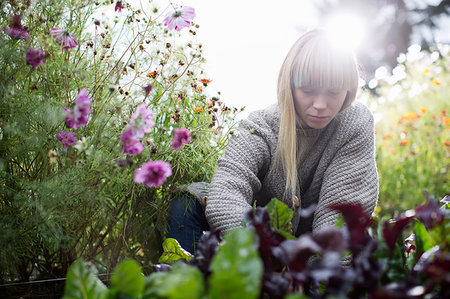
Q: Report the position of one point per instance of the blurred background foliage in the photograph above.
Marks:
(413, 128)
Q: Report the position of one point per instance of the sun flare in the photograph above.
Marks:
(346, 29)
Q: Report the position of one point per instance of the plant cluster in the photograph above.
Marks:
(361, 257)
(412, 130)
(98, 102)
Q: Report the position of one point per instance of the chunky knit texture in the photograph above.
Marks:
(339, 167)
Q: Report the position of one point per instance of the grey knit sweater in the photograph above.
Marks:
(339, 167)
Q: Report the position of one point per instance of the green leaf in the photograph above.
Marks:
(182, 281)
(286, 234)
(339, 221)
(280, 216)
(173, 252)
(127, 280)
(82, 283)
(423, 240)
(396, 270)
(236, 267)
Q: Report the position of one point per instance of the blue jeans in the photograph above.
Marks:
(186, 222)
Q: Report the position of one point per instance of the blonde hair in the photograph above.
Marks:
(312, 61)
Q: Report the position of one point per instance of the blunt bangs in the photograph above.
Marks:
(320, 64)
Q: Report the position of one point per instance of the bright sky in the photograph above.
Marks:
(245, 43)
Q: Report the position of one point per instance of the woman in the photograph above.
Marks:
(313, 149)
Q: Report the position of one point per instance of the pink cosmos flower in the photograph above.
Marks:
(64, 38)
(80, 114)
(130, 144)
(35, 57)
(141, 121)
(69, 118)
(180, 137)
(119, 6)
(66, 138)
(153, 174)
(16, 29)
(180, 18)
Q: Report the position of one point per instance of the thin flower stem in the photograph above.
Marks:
(173, 6)
(95, 56)
(117, 63)
(171, 84)
(20, 166)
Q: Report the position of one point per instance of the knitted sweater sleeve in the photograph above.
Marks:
(236, 177)
(352, 175)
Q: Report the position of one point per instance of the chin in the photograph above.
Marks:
(317, 125)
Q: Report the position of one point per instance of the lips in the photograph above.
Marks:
(319, 118)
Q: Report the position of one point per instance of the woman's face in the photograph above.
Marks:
(316, 106)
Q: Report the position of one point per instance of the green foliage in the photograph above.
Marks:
(280, 217)
(236, 268)
(182, 281)
(236, 273)
(59, 203)
(412, 130)
(423, 239)
(82, 283)
(172, 252)
(127, 280)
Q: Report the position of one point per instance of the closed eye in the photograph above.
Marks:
(334, 92)
(308, 90)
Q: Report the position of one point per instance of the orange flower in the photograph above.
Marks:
(392, 150)
(411, 115)
(443, 112)
(447, 143)
(437, 82)
(446, 120)
(199, 88)
(404, 143)
(423, 110)
(140, 252)
(153, 74)
(387, 136)
(404, 131)
(205, 82)
(198, 110)
(400, 120)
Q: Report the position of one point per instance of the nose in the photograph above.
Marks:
(320, 102)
